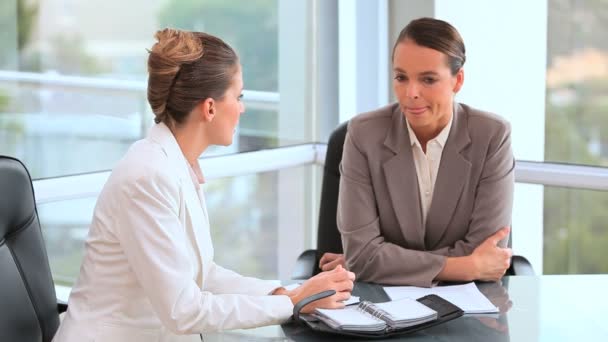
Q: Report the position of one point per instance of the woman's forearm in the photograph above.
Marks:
(458, 269)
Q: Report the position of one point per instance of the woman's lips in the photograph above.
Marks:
(416, 110)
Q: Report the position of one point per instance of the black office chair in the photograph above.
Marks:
(30, 311)
(328, 236)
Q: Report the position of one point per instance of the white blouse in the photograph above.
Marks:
(427, 164)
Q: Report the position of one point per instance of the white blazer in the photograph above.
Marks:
(143, 278)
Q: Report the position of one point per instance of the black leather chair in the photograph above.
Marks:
(28, 307)
(328, 236)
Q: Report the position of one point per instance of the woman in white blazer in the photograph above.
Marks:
(148, 272)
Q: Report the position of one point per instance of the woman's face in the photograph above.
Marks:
(424, 86)
(228, 111)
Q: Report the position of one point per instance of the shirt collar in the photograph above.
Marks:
(441, 138)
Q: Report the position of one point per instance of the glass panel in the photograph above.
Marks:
(576, 231)
(577, 82)
(248, 225)
(58, 132)
(251, 27)
(258, 224)
(60, 126)
(65, 226)
(73, 37)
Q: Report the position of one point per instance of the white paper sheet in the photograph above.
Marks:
(467, 296)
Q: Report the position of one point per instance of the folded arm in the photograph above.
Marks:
(493, 205)
(482, 253)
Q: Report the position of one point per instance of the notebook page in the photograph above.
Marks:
(466, 296)
(406, 309)
(350, 318)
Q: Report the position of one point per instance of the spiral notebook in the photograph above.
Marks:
(374, 317)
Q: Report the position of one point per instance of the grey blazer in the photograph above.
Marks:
(379, 212)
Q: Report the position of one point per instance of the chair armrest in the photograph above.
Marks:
(61, 306)
(306, 265)
(521, 266)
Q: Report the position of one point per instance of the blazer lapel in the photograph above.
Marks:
(198, 225)
(197, 218)
(402, 182)
(454, 171)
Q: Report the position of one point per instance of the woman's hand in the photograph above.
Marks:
(491, 261)
(339, 280)
(329, 261)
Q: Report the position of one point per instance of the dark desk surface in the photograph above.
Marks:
(542, 308)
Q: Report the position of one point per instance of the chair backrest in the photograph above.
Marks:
(328, 236)
(27, 293)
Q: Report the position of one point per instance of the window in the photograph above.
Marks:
(576, 131)
(73, 99)
(73, 91)
(577, 82)
(575, 236)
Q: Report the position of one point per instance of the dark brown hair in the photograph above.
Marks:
(437, 35)
(184, 69)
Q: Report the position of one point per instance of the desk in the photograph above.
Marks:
(541, 308)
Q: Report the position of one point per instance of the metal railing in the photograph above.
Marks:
(253, 98)
(232, 165)
(60, 188)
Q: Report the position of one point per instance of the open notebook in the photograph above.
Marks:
(467, 296)
(373, 317)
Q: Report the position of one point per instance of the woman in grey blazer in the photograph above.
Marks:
(427, 184)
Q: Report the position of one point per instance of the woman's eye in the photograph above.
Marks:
(400, 78)
(240, 97)
(429, 80)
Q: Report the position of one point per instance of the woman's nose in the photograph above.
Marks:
(412, 90)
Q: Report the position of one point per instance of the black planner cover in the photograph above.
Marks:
(446, 311)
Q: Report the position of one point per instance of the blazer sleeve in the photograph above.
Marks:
(222, 280)
(367, 253)
(153, 240)
(493, 205)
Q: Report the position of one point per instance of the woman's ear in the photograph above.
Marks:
(459, 80)
(207, 110)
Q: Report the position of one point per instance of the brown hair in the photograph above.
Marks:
(437, 35)
(184, 69)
